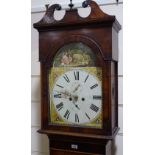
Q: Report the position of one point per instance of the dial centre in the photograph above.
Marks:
(75, 98)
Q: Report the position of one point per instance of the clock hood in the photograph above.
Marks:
(96, 16)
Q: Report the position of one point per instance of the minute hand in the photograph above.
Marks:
(76, 88)
(65, 93)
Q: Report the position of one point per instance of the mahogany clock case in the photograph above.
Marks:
(98, 31)
(75, 146)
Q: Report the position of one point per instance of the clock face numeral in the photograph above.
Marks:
(60, 86)
(87, 115)
(94, 108)
(94, 86)
(76, 118)
(67, 114)
(66, 78)
(97, 97)
(57, 96)
(59, 106)
(76, 75)
(86, 78)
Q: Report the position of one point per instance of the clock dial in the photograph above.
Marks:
(77, 96)
(75, 84)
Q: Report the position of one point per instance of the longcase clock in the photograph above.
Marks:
(79, 85)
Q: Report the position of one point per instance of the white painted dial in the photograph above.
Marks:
(77, 96)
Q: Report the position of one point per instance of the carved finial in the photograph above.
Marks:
(117, 1)
(71, 5)
(58, 7)
(86, 3)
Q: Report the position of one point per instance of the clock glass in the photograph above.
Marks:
(75, 86)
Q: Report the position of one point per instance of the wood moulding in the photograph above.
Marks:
(51, 132)
(72, 18)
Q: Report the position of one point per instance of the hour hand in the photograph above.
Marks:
(76, 105)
